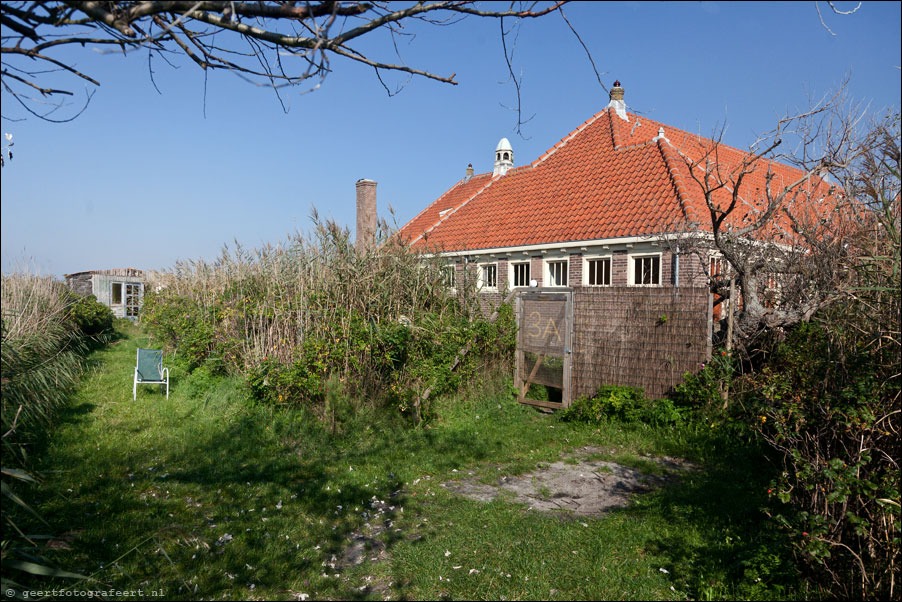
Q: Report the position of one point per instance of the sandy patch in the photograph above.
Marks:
(585, 488)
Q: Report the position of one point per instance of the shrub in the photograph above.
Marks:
(626, 404)
(182, 323)
(703, 390)
(834, 416)
(91, 316)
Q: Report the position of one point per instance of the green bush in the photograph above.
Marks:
(91, 316)
(183, 324)
(703, 390)
(834, 414)
(626, 404)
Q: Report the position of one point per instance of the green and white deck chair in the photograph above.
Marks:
(150, 370)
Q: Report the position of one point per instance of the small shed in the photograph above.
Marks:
(120, 289)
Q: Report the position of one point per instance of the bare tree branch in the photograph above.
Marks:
(832, 6)
(782, 228)
(308, 32)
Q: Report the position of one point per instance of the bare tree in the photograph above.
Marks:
(777, 221)
(274, 44)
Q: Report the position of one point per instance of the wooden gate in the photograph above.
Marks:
(542, 373)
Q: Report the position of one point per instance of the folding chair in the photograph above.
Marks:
(149, 370)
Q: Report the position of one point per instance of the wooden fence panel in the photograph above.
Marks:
(640, 337)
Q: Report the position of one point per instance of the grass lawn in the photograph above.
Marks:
(207, 495)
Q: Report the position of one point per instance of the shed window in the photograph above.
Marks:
(117, 294)
(132, 300)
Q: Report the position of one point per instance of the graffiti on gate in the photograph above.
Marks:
(544, 326)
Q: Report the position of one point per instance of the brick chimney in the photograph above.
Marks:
(367, 218)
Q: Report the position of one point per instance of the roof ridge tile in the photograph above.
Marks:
(677, 178)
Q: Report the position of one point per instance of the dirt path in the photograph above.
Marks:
(584, 488)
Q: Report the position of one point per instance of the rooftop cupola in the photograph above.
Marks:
(504, 157)
(617, 103)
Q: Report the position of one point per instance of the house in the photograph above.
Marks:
(604, 207)
(122, 290)
(608, 240)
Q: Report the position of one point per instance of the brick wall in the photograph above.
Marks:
(536, 269)
(666, 268)
(618, 268)
(503, 275)
(641, 337)
(575, 265)
(691, 271)
(489, 302)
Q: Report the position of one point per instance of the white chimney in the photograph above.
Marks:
(504, 157)
(617, 103)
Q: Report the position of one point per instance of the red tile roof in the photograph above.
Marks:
(609, 178)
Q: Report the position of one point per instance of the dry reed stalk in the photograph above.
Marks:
(277, 296)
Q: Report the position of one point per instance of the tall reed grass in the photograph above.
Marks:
(293, 315)
(44, 338)
(42, 355)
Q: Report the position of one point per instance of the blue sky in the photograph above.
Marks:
(143, 179)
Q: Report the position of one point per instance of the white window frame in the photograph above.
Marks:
(548, 280)
(587, 260)
(512, 272)
(719, 261)
(449, 276)
(483, 285)
(128, 292)
(121, 286)
(136, 295)
(631, 268)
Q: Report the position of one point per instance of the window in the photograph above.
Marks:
(489, 276)
(448, 275)
(128, 294)
(132, 300)
(771, 290)
(598, 272)
(647, 270)
(557, 273)
(520, 274)
(717, 270)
